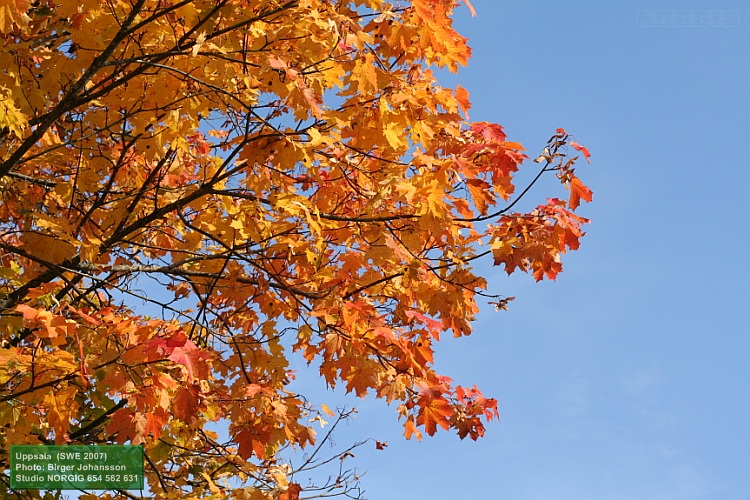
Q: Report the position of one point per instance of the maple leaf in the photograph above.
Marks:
(578, 192)
(185, 404)
(127, 425)
(61, 406)
(582, 149)
(433, 414)
(410, 429)
(13, 12)
(433, 326)
(193, 359)
(11, 118)
(251, 443)
(491, 132)
(480, 194)
(462, 96)
(326, 410)
(156, 419)
(292, 492)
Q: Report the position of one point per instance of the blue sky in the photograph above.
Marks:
(628, 377)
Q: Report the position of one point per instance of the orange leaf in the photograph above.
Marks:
(185, 404)
(462, 96)
(410, 429)
(28, 312)
(127, 425)
(578, 192)
(251, 442)
(292, 492)
(435, 413)
(481, 193)
(156, 419)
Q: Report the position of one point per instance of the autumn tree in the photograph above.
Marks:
(268, 177)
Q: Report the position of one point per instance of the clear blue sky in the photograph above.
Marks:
(628, 378)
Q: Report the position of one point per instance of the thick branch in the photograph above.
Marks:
(98, 421)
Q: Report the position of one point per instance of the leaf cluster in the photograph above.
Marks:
(264, 177)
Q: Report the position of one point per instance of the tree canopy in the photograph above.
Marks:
(191, 191)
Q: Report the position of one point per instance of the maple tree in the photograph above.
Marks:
(266, 177)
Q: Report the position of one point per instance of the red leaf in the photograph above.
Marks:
(433, 325)
(490, 131)
(192, 358)
(578, 192)
(582, 149)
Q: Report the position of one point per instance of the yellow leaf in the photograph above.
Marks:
(365, 75)
(13, 12)
(172, 119)
(61, 408)
(199, 41)
(48, 248)
(395, 136)
(211, 485)
(10, 116)
(315, 137)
